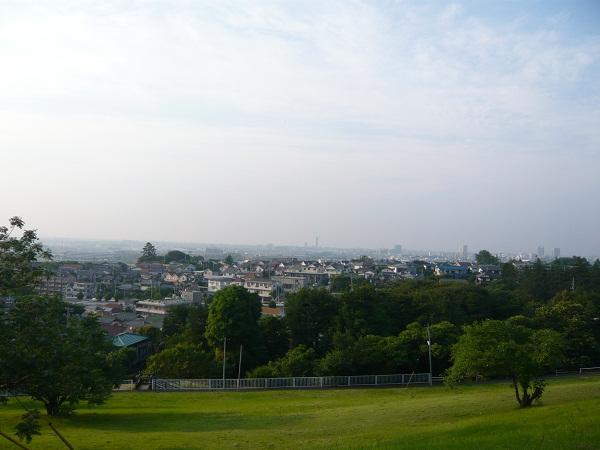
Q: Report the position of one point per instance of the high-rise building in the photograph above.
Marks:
(317, 242)
(540, 252)
(465, 251)
(556, 252)
(397, 249)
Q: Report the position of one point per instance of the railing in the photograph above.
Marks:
(219, 384)
(125, 385)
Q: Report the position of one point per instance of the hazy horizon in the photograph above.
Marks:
(368, 124)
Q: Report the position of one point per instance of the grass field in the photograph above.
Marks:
(476, 417)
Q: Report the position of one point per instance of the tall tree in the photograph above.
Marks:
(148, 253)
(234, 314)
(310, 315)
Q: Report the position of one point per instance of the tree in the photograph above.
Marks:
(234, 314)
(484, 257)
(148, 253)
(185, 360)
(366, 310)
(504, 349)
(310, 314)
(510, 276)
(275, 336)
(186, 323)
(57, 356)
(17, 255)
(153, 334)
(176, 256)
(229, 260)
(298, 362)
(573, 314)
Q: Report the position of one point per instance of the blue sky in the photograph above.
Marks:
(427, 124)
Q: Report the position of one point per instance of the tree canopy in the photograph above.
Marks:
(148, 253)
(17, 255)
(56, 355)
(496, 348)
(484, 257)
(233, 314)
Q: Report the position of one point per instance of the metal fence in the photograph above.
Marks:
(219, 384)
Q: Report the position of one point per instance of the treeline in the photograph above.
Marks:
(371, 329)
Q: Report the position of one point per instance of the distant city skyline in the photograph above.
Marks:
(396, 250)
(369, 124)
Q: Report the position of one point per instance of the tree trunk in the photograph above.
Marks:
(52, 406)
(527, 398)
(518, 397)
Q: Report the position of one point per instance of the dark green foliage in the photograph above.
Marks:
(310, 314)
(56, 356)
(148, 253)
(17, 254)
(154, 334)
(503, 349)
(573, 314)
(176, 256)
(510, 276)
(298, 362)
(182, 361)
(275, 336)
(186, 323)
(368, 311)
(29, 426)
(234, 313)
(484, 257)
(368, 355)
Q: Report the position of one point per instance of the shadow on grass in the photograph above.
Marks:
(180, 421)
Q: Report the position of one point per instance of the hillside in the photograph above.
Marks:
(483, 416)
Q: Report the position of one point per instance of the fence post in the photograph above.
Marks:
(321, 381)
(348, 380)
(376, 379)
(294, 382)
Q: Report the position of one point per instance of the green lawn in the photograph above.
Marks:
(476, 417)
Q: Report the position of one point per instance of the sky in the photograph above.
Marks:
(369, 124)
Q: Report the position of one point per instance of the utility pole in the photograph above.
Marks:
(429, 346)
(224, 355)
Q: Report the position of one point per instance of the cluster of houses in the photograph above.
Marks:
(150, 289)
(110, 291)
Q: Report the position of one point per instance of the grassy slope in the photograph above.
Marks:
(469, 417)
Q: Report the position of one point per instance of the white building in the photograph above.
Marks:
(216, 283)
(263, 288)
(159, 307)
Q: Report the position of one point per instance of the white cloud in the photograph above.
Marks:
(330, 103)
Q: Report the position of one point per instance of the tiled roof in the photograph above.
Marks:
(128, 339)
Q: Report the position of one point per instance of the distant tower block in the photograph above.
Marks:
(465, 251)
(397, 249)
(556, 252)
(540, 252)
(317, 242)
